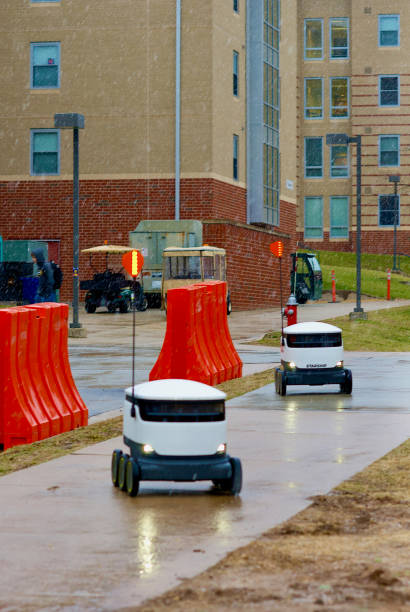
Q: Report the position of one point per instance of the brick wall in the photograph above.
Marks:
(110, 209)
(376, 242)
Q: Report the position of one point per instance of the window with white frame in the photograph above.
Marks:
(389, 150)
(339, 161)
(389, 90)
(313, 98)
(389, 30)
(313, 39)
(314, 217)
(40, 1)
(45, 152)
(236, 6)
(313, 157)
(339, 38)
(235, 155)
(339, 97)
(235, 75)
(339, 217)
(389, 210)
(45, 65)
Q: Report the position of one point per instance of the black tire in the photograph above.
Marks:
(132, 477)
(232, 485)
(143, 304)
(282, 384)
(90, 307)
(347, 386)
(115, 462)
(122, 467)
(111, 307)
(124, 306)
(277, 381)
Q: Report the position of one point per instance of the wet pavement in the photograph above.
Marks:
(70, 541)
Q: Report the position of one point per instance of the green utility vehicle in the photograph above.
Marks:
(306, 277)
(151, 238)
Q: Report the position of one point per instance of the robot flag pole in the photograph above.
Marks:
(132, 262)
(276, 249)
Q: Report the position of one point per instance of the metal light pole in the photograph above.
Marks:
(395, 179)
(74, 121)
(332, 139)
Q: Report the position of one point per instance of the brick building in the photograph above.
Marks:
(187, 128)
(353, 77)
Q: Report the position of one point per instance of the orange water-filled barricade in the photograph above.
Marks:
(38, 396)
(197, 344)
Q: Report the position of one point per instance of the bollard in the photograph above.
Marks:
(388, 283)
(291, 310)
(333, 287)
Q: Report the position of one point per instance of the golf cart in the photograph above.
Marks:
(312, 354)
(176, 430)
(190, 265)
(306, 277)
(109, 288)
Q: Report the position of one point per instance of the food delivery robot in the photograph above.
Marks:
(312, 354)
(175, 430)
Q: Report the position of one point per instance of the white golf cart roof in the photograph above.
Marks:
(195, 250)
(311, 327)
(176, 389)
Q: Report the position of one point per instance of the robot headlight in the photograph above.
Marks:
(221, 450)
(147, 449)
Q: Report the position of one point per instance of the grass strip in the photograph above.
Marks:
(385, 330)
(20, 457)
(347, 551)
(373, 283)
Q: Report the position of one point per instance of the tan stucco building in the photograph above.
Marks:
(180, 122)
(347, 72)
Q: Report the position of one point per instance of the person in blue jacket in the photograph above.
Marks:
(45, 290)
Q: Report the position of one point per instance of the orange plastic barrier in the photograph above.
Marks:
(197, 343)
(38, 397)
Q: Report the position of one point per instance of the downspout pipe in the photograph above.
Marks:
(177, 108)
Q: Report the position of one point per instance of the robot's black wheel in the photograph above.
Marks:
(122, 468)
(132, 477)
(232, 485)
(347, 386)
(115, 462)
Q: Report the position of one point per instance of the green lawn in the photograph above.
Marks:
(369, 262)
(384, 330)
(374, 282)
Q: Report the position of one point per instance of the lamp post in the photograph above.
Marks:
(334, 139)
(74, 121)
(395, 179)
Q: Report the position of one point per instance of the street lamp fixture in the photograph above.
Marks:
(395, 179)
(74, 121)
(335, 139)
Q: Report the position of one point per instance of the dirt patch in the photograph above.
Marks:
(348, 551)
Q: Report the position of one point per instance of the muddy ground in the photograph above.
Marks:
(348, 551)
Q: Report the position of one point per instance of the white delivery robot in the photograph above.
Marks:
(176, 430)
(312, 354)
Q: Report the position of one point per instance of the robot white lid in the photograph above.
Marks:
(176, 389)
(311, 327)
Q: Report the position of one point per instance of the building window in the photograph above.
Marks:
(388, 210)
(236, 6)
(313, 157)
(235, 65)
(339, 217)
(339, 161)
(339, 97)
(39, 1)
(313, 217)
(235, 156)
(389, 90)
(313, 39)
(314, 98)
(389, 150)
(339, 38)
(45, 152)
(389, 30)
(45, 65)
